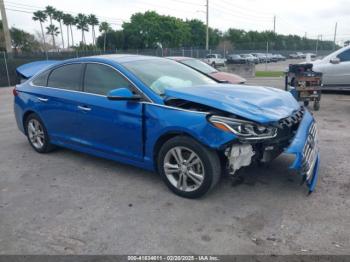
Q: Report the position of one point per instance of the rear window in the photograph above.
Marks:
(41, 80)
(66, 77)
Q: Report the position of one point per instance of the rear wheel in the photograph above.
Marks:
(188, 168)
(37, 134)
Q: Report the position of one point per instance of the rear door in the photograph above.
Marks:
(59, 102)
(112, 127)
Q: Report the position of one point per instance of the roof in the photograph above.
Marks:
(124, 58)
(179, 58)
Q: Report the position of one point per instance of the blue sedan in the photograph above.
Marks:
(160, 115)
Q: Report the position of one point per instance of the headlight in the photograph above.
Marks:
(242, 128)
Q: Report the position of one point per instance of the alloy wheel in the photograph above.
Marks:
(36, 133)
(184, 169)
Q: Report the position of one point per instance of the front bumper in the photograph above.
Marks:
(305, 148)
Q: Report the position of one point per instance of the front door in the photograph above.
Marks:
(112, 127)
(338, 74)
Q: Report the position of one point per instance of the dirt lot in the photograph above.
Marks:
(66, 202)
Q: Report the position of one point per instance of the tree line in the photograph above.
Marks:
(151, 30)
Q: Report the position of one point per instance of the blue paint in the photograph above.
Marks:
(30, 69)
(129, 131)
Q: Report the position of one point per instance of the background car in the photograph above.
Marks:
(335, 68)
(271, 57)
(215, 60)
(250, 58)
(262, 57)
(236, 59)
(280, 57)
(293, 56)
(209, 70)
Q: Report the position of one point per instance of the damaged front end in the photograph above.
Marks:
(261, 135)
(296, 134)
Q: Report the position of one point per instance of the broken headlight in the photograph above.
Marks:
(242, 128)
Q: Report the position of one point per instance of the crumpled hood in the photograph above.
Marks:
(257, 103)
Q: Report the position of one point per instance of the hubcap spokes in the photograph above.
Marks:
(184, 169)
(36, 133)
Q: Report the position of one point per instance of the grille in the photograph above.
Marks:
(310, 151)
(294, 119)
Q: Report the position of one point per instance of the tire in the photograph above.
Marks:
(213, 64)
(316, 105)
(37, 135)
(306, 103)
(208, 167)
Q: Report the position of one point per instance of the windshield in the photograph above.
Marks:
(158, 74)
(199, 65)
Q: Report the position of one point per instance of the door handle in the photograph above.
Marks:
(43, 99)
(84, 108)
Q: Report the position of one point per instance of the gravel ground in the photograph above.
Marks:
(71, 203)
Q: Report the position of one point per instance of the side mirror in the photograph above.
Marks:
(335, 60)
(122, 94)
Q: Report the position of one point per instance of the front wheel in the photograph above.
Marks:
(188, 168)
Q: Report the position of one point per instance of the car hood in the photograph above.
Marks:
(257, 103)
(231, 78)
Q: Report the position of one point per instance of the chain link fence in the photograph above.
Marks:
(9, 62)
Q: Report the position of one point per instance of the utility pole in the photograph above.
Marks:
(207, 35)
(335, 34)
(5, 27)
(274, 24)
(316, 49)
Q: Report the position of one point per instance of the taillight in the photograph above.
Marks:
(14, 92)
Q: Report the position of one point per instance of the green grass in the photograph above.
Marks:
(268, 73)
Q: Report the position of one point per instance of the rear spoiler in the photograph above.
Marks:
(26, 71)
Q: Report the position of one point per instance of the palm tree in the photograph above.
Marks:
(105, 28)
(69, 20)
(52, 30)
(93, 21)
(58, 16)
(49, 10)
(82, 24)
(41, 17)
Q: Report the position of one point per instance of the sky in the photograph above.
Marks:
(312, 17)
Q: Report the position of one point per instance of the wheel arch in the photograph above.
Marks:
(24, 118)
(165, 137)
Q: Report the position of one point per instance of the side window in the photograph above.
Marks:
(66, 77)
(344, 56)
(100, 79)
(41, 80)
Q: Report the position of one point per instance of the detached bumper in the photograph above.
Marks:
(306, 151)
